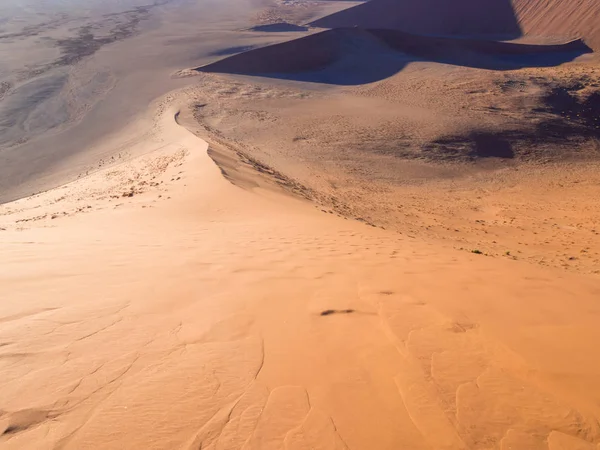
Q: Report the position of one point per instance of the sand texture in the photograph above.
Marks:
(156, 305)
(298, 224)
(495, 18)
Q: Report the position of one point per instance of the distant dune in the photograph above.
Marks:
(572, 18)
(307, 53)
(438, 47)
(355, 56)
(441, 17)
(552, 18)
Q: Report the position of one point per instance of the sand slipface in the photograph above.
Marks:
(357, 56)
(386, 238)
(576, 19)
(436, 17)
(496, 18)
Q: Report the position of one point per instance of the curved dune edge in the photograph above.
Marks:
(533, 18)
(359, 56)
(217, 317)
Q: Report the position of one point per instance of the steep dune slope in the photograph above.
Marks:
(307, 53)
(552, 18)
(213, 317)
(461, 17)
(568, 18)
(356, 56)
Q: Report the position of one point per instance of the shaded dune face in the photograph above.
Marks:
(308, 53)
(439, 47)
(376, 39)
(492, 18)
(437, 17)
(350, 56)
(280, 27)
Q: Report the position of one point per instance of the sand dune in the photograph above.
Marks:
(439, 17)
(409, 152)
(542, 18)
(195, 314)
(73, 79)
(253, 263)
(307, 53)
(432, 47)
(559, 18)
(355, 56)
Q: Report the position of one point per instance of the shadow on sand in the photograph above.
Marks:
(492, 18)
(353, 56)
(281, 27)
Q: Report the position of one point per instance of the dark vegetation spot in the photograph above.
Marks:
(476, 145)
(477, 252)
(565, 116)
(328, 312)
(581, 113)
(489, 145)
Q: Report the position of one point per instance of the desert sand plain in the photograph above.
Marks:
(306, 225)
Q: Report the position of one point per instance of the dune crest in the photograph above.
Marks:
(357, 56)
(560, 18)
(261, 322)
(385, 239)
(496, 18)
(436, 17)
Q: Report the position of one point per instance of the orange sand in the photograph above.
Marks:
(196, 314)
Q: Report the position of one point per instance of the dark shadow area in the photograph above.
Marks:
(329, 312)
(479, 144)
(352, 56)
(487, 145)
(281, 27)
(563, 102)
(11, 429)
(565, 120)
(494, 18)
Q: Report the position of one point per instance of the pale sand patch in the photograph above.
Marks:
(218, 317)
(476, 159)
